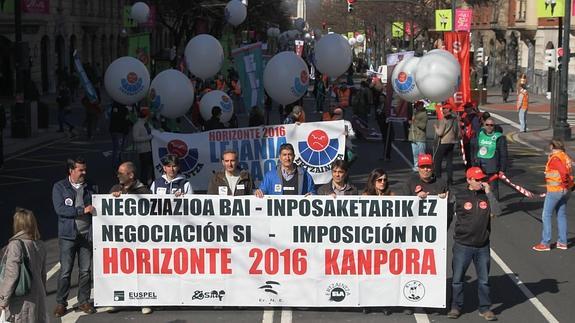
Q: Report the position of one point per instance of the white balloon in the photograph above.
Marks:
(403, 80)
(236, 12)
(299, 24)
(171, 94)
(437, 76)
(286, 77)
(219, 99)
(360, 38)
(140, 12)
(333, 55)
(204, 56)
(127, 80)
(352, 41)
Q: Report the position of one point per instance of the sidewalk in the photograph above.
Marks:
(539, 104)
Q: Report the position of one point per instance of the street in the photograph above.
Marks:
(526, 286)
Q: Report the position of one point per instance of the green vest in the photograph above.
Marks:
(487, 144)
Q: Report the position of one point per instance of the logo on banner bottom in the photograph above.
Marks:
(414, 291)
(337, 292)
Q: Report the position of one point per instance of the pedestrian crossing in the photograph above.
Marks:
(570, 118)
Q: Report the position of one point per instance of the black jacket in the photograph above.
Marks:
(473, 223)
(244, 186)
(434, 187)
(327, 189)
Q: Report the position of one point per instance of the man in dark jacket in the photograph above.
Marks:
(72, 200)
(475, 207)
(489, 151)
(231, 180)
(339, 184)
(127, 181)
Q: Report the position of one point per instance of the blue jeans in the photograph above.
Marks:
(555, 201)
(522, 120)
(462, 257)
(68, 251)
(417, 148)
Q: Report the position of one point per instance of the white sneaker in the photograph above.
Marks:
(146, 310)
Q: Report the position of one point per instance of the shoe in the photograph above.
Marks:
(541, 247)
(60, 310)
(562, 246)
(453, 313)
(146, 310)
(87, 308)
(488, 316)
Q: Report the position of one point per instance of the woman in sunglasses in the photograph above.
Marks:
(377, 183)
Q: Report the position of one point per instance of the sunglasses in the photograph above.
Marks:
(489, 125)
(381, 180)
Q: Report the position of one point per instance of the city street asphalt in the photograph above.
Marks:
(527, 286)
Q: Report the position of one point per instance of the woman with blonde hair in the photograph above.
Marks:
(24, 244)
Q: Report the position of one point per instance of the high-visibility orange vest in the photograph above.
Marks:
(525, 102)
(553, 179)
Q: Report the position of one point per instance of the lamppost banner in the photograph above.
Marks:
(458, 44)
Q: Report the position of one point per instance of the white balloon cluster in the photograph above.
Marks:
(140, 12)
(204, 55)
(235, 12)
(435, 76)
(333, 55)
(352, 42)
(171, 94)
(286, 77)
(127, 80)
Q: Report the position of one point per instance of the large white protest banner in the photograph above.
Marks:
(275, 251)
(317, 145)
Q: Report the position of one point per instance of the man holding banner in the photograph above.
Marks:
(231, 180)
(288, 179)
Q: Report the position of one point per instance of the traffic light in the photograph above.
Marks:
(550, 58)
(350, 5)
(479, 54)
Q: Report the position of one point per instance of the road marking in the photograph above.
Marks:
(286, 315)
(40, 146)
(53, 271)
(538, 305)
(514, 135)
(508, 121)
(421, 318)
(268, 316)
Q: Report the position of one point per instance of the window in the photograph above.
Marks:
(521, 10)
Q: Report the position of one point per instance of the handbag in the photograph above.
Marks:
(24, 282)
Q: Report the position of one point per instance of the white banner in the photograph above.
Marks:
(276, 251)
(316, 144)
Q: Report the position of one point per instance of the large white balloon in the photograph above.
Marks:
(140, 12)
(299, 24)
(204, 56)
(333, 55)
(171, 94)
(403, 80)
(127, 80)
(352, 41)
(216, 99)
(438, 75)
(286, 77)
(360, 38)
(236, 12)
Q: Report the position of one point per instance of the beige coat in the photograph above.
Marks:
(32, 307)
(447, 130)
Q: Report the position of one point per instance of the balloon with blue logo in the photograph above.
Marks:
(286, 77)
(127, 80)
(333, 55)
(438, 75)
(140, 12)
(235, 12)
(204, 56)
(171, 94)
(219, 99)
(403, 80)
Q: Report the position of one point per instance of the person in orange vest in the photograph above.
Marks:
(559, 182)
(522, 106)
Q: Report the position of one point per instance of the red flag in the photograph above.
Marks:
(458, 44)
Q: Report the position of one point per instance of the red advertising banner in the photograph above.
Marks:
(458, 44)
(36, 6)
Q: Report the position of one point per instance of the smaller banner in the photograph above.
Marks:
(443, 20)
(393, 59)
(463, 18)
(86, 83)
(550, 8)
(249, 64)
(128, 22)
(36, 6)
(316, 144)
(458, 44)
(139, 47)
(397, 29)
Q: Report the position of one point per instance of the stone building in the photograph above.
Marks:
(94, 28)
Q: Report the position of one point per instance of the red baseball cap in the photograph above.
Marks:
(475, 173)
(424, 160)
